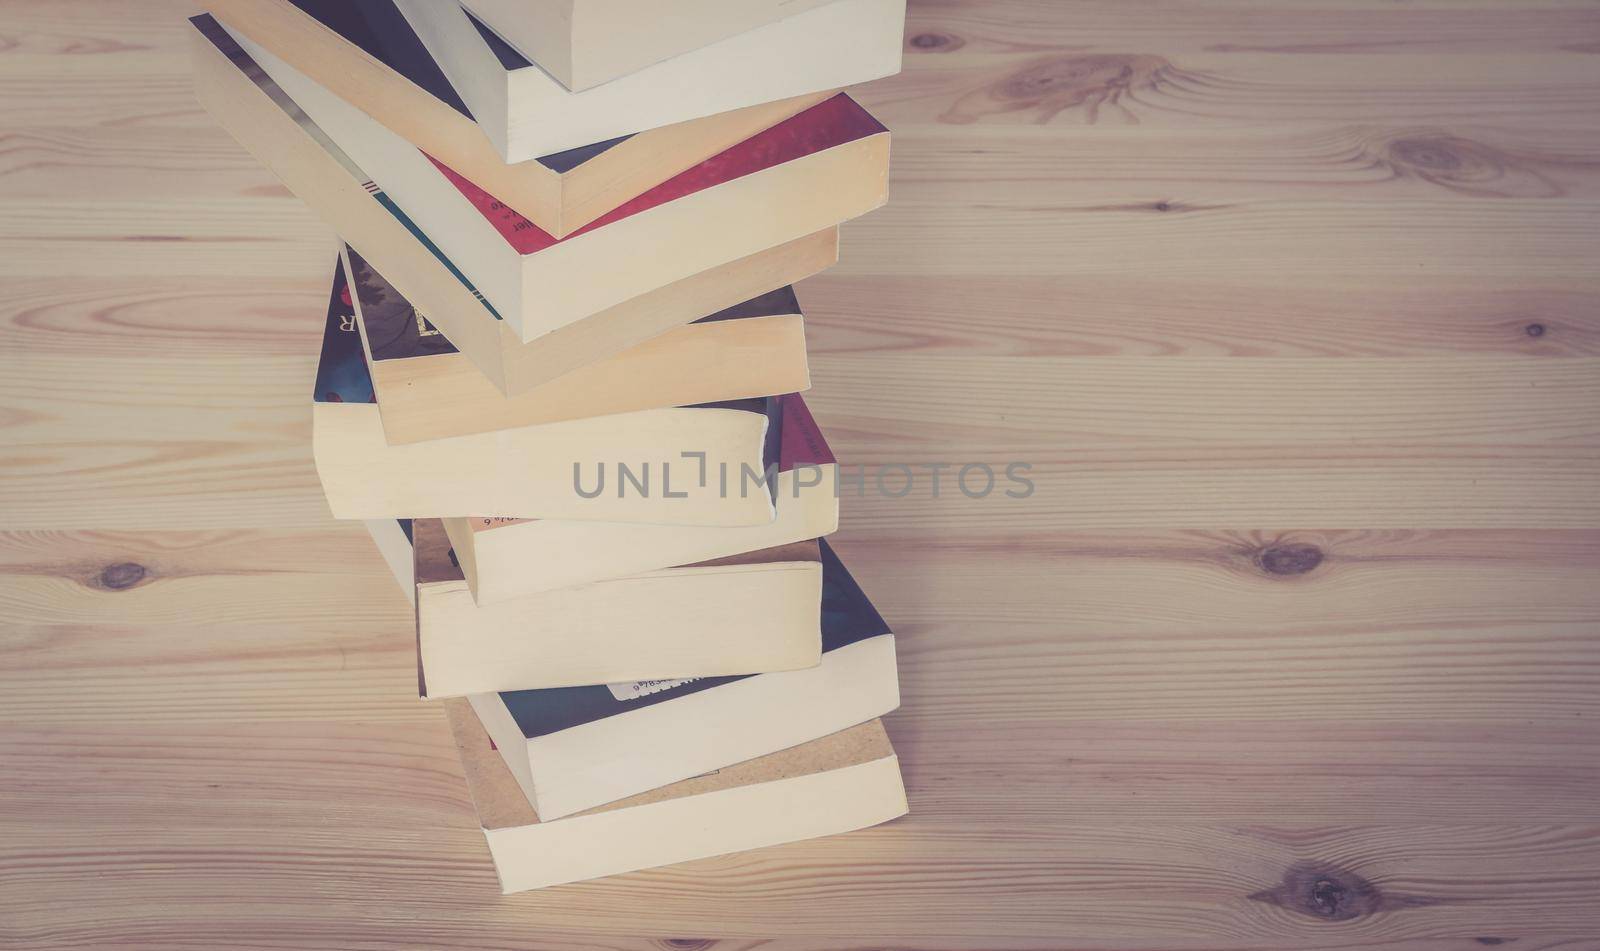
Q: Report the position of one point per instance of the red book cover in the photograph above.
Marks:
(801, 443)
(825, 125)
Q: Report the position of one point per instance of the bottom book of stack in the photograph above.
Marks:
(841, 782)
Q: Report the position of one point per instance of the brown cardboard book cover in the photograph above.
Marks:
(502, 805)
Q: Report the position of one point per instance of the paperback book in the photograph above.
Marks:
(575, 748)
(548, 470)
(427, 389)
(759, 611)
(507, 557)
(838, 783)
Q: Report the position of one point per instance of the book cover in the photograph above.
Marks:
(503, 51)
(847, 618)
(342, 374)
(396, 330)
(379, 29)
(830, 123)
(801, 443)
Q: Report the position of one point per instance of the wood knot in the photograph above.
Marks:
(1160, 206)
(1055, 84)
(1070, 77)
(1288, 558)
(935, 42)
(1324, 891)
(1436, 154)
(1534, 330)
(687, 944)
(1463, 165)
(121, 576)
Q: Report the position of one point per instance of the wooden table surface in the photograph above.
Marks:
(1292, 308)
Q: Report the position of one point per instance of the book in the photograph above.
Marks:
(266, 122)
(812, 171)
(510, 557)
(427, 389)
(643, 466)
(584, 43)
(366, 52)
(526, 111)
(839, 783)
(753, 612)
(574, 748)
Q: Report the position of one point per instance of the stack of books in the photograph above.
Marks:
(560, 380)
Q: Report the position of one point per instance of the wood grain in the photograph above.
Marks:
(1292, 308)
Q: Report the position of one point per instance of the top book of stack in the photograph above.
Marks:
(584, 43)
(475, 95)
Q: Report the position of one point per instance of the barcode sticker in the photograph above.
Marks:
(635, 689)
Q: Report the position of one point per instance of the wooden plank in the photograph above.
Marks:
(183, 320)
(1195, 170)
(1241, 27)
(1226, 315)
(1015, 233)
(1250, 886)
(1012, 232)
(1170, 626)
(1137, 442)
(1188, 89)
